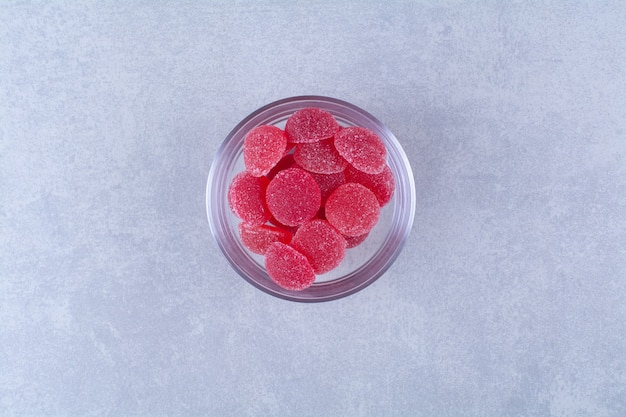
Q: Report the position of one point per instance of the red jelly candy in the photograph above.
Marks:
(246, 197)
(362, 148)
(321, 243)
(288, 268)
(320, 157)
(310, 125)
(293, 196)
(352, 209)
(259, 238)
(354, 241)
(383, 184)
(263, 147)
(328, 183)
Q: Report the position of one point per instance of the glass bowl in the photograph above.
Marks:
(362, 264)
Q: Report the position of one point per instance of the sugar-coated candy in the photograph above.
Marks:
(293, 196)
(321, 243)
(354, 241)
(320, 157)
(383, 184)
(288, 268)
(352, 209)
(263, 147)
(362, 148)
(246, 197)
(258, 238)
(310, 125)
(308, 194)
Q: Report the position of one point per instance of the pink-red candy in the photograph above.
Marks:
(328, 183)
(258, 238)
(246, 197)
(383, 184)
(354, 241)
(321, 243)
(263, 147)
(293, 196)
(288, 268)
(310, 125)
(352, 209)
(362, 148)
(320, 157)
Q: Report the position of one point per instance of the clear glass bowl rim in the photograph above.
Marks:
(240, 260)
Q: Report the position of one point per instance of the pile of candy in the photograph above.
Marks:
(308, 193)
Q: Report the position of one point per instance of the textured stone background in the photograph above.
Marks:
(508, 300)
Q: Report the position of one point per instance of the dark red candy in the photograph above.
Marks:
(383, 184)
(288, 268)
(246, 197)
(286, 162)
(310, 125)
(293, 196)
(362, 148)
(321, 243)
(259, 238)
(328, 183)
(263, 147)
(352, 209)
(354, 241)
(290, 229)
(320, 157)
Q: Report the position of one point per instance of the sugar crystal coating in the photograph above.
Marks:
(321, 243)
(352, 209)
(288, 268)
(383, 184)
(263, 147)
(293, 196)
(320, 157)
(310, 125)
(258, 238)
(362, 148)
(246, 197)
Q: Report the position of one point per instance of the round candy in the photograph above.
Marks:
(263, 147)
(321, 243)
(320, 157)
(383, 184)
(246, 197)
(310, 125)
(293, 196)
(259, 238)
(362, 148)
(288, 268)
(352, 209)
